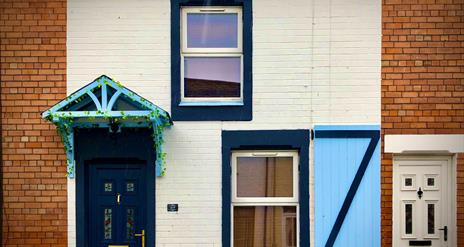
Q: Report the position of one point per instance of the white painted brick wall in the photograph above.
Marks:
(314, 62)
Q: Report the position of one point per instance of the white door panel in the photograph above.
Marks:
(422, 201)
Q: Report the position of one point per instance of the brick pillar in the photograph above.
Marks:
(422, 83)
(33, 78)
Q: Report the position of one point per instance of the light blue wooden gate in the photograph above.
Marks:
(347, 186)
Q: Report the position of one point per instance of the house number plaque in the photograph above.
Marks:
(173, 207)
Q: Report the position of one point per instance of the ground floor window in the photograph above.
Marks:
(265, 198)
(265, 188)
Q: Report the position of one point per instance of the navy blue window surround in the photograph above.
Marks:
(266, 140)
(216, 112)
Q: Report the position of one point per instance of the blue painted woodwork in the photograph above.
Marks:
(102, 103)
(208, 112)
(97, 146)
(347, 185)
(116, 175)
(266, 140)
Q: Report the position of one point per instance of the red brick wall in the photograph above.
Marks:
(422, 82)
(33, 75)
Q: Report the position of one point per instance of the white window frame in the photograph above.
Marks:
(268, 201)
(212, 10)
(211, 52)
(288, 215)
(271, 154)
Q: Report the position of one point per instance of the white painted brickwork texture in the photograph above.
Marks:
(314, 62)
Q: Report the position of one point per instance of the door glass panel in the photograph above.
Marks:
(265, 177)
(408, 182)
(130, 186)
(431, 182)
(108, 187)
(431, 218)
(408, 218)
(130, 223)
(108, 224)
(263, 226)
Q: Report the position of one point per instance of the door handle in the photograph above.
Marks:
(118, 198)
(445, 232)
(142, 236)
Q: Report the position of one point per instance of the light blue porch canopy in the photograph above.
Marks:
(105, 103)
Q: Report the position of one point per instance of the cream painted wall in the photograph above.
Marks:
(314, 62)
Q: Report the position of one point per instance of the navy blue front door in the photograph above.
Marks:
(117, 204)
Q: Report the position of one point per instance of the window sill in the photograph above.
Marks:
(211, 111)
(230, 103)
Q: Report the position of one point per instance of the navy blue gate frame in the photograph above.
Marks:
(374, 136)
(261, 140)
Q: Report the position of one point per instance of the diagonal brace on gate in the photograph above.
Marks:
(374, 136)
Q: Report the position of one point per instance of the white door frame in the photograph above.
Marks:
(451, 163)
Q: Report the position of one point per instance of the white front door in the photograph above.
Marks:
(423, 202)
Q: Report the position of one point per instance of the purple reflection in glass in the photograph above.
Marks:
(212, 76)
(212, 30)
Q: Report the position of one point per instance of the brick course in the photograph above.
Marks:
(33, 75)
(422, 83)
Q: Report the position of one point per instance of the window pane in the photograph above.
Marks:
(265, 177)
(265, 226)
(212, 76)
(208, 30)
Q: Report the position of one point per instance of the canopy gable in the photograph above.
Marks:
(107, 103)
